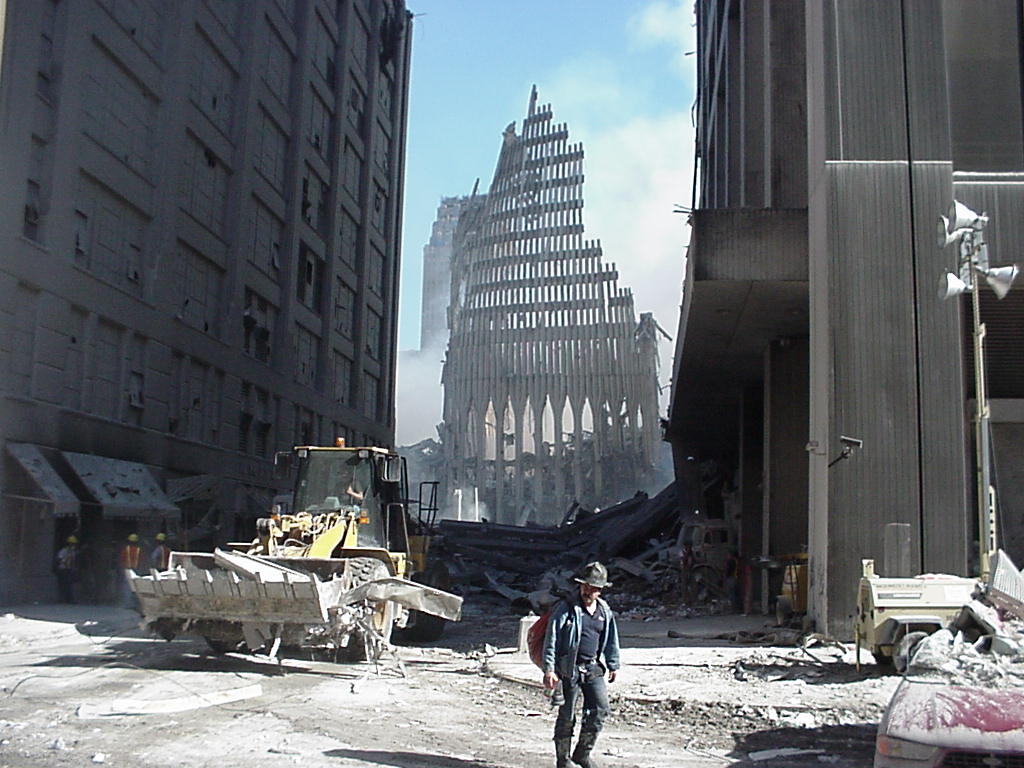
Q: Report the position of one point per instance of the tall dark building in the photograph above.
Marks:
(200, 231)
(831, 136)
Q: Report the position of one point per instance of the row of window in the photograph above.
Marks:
(87, 363)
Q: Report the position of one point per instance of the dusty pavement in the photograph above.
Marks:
(81, 685)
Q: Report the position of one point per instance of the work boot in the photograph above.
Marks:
(581, 755)
(562, 746)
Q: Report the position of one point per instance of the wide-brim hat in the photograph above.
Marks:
(595, 575)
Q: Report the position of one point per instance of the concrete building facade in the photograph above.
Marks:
(831, 136)
(199, 260)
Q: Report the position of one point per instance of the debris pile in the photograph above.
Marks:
(531, 565)
(984, 644)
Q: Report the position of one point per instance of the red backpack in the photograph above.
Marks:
(535, 638)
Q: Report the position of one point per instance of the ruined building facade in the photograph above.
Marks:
(811, 312)
(199, 230)
(550, 390)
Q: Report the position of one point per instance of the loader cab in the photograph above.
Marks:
(366, 482)
(341, 480)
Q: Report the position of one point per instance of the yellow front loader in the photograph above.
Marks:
(335, 572)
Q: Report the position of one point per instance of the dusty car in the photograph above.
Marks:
(967, 712)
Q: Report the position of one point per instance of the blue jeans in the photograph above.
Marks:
(588, 679)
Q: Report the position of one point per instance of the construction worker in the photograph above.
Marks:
(161, 554)
(66, 568)
(581, 650)
(129, 558)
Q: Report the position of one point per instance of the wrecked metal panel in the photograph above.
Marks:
(46, 479)
(419, 597)
(123, 488)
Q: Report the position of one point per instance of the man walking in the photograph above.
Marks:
(580, 632)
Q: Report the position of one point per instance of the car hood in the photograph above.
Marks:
(954, 716)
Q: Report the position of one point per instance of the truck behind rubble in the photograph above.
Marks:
(339, 572)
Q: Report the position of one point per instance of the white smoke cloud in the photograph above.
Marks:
(418, 400)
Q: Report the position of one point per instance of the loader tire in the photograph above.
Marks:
(362, 647)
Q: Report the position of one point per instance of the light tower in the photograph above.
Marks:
(966, 228)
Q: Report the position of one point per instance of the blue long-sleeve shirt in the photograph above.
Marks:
(562, 639)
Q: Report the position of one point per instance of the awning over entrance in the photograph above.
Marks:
(122, 488)
(50, 487)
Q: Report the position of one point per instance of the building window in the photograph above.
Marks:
(271, 148)
(213, 82)
(306, 353)
(304, 426)
(143, 20)
(309, 282)
(226, 12)
(353, 170)
(382, 148)
(371, 396)
(314, 200)
(373, 334)
(106, 362)
(342, 379)
(319, 124)
(45, 71)
(323, 50)
(384, 94)
(349, 239)
(199, 283)
(267, 231)
(258, 320)
(380, 208)
(109, 236)
(344, 309)
(360, 41)
(118, 112)
(375, 271)
(204, 189)
(277, 69)
(356, 105)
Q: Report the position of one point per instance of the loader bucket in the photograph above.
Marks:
(230, 586)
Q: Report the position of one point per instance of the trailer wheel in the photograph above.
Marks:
(362, 645)
(905, 650)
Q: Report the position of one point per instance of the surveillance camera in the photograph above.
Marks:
(852, 442)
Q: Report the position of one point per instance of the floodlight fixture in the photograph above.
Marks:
(962, 217)
(1000, 279)
(947, 237)
(952, 286)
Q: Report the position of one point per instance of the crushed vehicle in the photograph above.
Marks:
(954, 708)
(341, 571)
(961, 699)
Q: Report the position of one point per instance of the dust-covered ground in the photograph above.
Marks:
(81, 685)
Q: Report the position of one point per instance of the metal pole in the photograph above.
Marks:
(986, 507)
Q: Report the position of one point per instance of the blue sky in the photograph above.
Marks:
(615, 70)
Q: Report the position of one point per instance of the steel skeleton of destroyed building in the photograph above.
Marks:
(550, 384)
